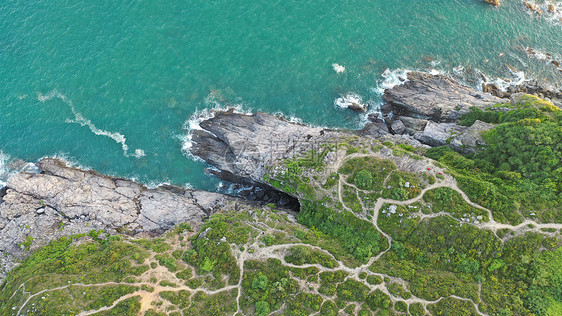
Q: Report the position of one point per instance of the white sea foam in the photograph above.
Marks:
(213, 105)
(154, 184)
(504, 83)
(5, 172)
(555, 16)
(540, 55)
(459, 70)
(294, 119)
(338, 68)
(347, 100)
(436, 72)
(80, 119)
(391, 79)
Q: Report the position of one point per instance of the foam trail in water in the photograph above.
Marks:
(80, 119)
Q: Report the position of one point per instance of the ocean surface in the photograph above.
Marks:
(116, 85)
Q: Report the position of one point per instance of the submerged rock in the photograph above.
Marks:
(353, 102)
(544, 56)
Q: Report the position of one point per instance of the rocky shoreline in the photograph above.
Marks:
(57, 200)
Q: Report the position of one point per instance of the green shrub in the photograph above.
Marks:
(416, 309)
(262, 308)
(363, 180)
(300, 255)
(352, 290)
(377, 299)
(401, 306)
(358, 237)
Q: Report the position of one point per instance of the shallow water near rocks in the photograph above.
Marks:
(112, 85)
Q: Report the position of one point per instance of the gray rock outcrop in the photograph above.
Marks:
(532, 87)
(460, 138)
(436, 97)
(61, 200)
(413, 125)
(398, 127)
(242, 146)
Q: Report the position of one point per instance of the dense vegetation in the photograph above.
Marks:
(356, 236)
(519, 174)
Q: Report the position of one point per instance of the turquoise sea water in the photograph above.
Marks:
(111, 84)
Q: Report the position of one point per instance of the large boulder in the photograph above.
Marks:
(436, 97)
(412, 124)
(398, 127)
(375, 129)
(460, 138)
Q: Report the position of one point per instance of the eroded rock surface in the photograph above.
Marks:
(460, 138)
(436, 97)
(532, 87)
(61, 200)
(242, 146)
(496, 3)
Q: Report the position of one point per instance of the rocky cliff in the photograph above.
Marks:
(436, 97)
(425, 110)
(36, 208)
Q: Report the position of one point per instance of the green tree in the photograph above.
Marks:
(260, 282)
(262, 308)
